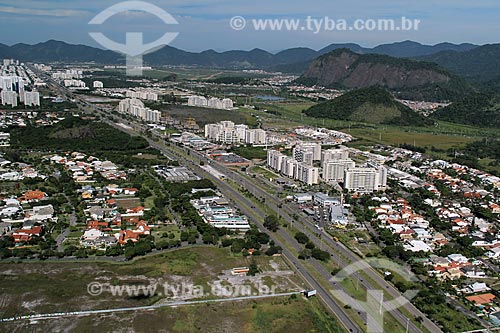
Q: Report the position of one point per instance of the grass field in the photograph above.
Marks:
(443, 135)
(251, 152)
(54, 286)
(206, 116)
(267, 316)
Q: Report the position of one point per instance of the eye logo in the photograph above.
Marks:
(374, 306)
(134, 47)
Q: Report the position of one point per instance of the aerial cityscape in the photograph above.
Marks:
(257, 170)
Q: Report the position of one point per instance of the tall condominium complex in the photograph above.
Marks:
(289, 167)
(227, 132)
(313, 147)
(31, 98)
(333, 170)
(213, 103)
(9, 98)
(334, 162)
(368, 179)
(334, 154)
(142, 94)
(137, 109)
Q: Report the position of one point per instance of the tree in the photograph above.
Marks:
(301, 238)
(271, 222)
(238, 245)
(253, 268)
(320, 254)
(273, 250)
(305, 254)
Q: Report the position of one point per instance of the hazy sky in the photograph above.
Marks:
(205, 24)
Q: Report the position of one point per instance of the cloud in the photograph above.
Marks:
(42, 12)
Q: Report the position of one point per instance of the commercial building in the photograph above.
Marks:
(98, 84)
(324, 200)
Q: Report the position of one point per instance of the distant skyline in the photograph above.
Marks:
(204, 24)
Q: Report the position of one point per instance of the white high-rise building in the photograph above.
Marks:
(98, 84)
(75, 83)
(226, 132)
(126, 105)
(215, 103)
(381, 177)
(255, 136)
(313, 147)
(307, 174)
(334, 170)
(334, 154)
(31, 98)
(275, 160)
(9, 98)
(241, 131)
(136, 108)
(366, 179)
(291, 168)
(227, 103)
(7, 82)
(197, 101)
(304, 156)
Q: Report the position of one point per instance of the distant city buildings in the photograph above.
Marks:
(98, 84)
(213, 103)
(69, 74)
(75, 84)
(142, 94)
(18, 84)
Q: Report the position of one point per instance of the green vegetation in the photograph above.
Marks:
(290, 314)
(76, 134)
(478, 109)
(205, 116)
(434, 304)
(271, 222)
(408, 78)
(250, 152)
(372, 105)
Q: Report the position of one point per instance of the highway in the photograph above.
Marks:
(308, 228)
